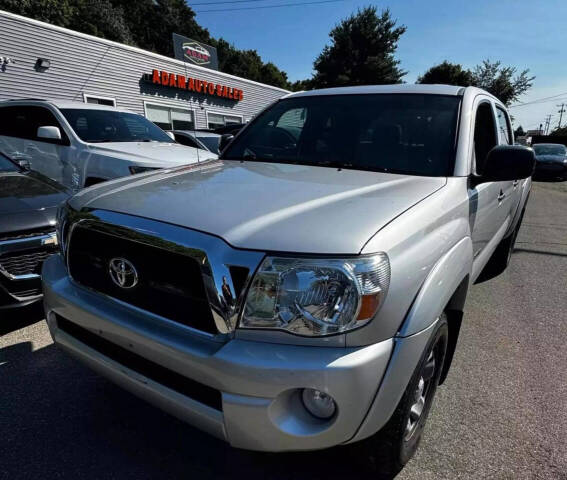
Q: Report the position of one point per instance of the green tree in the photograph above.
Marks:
(447, 74)
(502, 82)
(151, 23)
(102, 19)
(57, 12)
(301, 85)
(560, 132)
(361, 52)
(519, 132)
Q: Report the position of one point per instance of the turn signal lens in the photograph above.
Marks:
(368, 306)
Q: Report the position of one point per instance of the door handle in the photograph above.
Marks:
(501, 196)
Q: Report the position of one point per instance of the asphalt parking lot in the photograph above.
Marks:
(501, 414)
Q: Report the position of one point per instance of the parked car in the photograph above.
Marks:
(307, 289)
(232, 128)
(28, 205)
(198, 139)
(79, 144)
(551, 160)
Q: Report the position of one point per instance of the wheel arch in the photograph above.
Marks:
(444, 288)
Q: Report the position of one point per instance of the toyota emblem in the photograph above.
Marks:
(123, 272)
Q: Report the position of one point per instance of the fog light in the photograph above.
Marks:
(318, 403)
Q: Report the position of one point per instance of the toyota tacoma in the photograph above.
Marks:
(306, 289)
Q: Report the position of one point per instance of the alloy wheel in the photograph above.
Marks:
(421, 395)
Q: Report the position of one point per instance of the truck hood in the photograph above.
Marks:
(268, 206)
(155, 154)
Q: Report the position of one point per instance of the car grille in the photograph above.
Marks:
(169, 284)
(31, 292)
(25, 262)
(25, 234)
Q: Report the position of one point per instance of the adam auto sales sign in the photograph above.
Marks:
(194, 52)
(192, 84)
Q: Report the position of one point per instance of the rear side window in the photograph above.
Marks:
(484, 135)
(23, 122)
(504, 130)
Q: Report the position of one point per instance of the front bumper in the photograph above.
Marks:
(258, 383)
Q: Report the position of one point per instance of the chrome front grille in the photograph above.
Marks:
(24, 263)
(188, 277)
(21, 257)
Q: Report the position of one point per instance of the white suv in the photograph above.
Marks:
(80, 144)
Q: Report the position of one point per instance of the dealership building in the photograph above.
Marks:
(43, 61)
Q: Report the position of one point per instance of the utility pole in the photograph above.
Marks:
(547, 122)
(561, 111)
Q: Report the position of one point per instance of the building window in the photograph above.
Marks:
(111, 102)
(170, 118)
(216, 120)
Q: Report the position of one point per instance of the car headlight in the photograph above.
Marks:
(316, 297)
(134, 169)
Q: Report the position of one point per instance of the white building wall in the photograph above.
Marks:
(83, 64)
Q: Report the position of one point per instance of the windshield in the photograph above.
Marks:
(399, 133)
(550, 149)
(96, 126)
(7, 165)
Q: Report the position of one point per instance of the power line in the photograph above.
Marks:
(269, 6)
(226, 1)
(537, 100)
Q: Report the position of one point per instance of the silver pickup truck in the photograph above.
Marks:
(305, 290)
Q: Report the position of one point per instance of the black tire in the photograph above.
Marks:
(395, 444)
(501, 257)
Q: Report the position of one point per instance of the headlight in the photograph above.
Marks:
(316, 297)
(136, 169)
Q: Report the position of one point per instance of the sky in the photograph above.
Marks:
(520, 33)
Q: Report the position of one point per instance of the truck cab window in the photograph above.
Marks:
(484, 135)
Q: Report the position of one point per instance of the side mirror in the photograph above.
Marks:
(506, 163)
(49, 133)
(225, 140)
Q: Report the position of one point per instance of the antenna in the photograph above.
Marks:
(194, 114)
